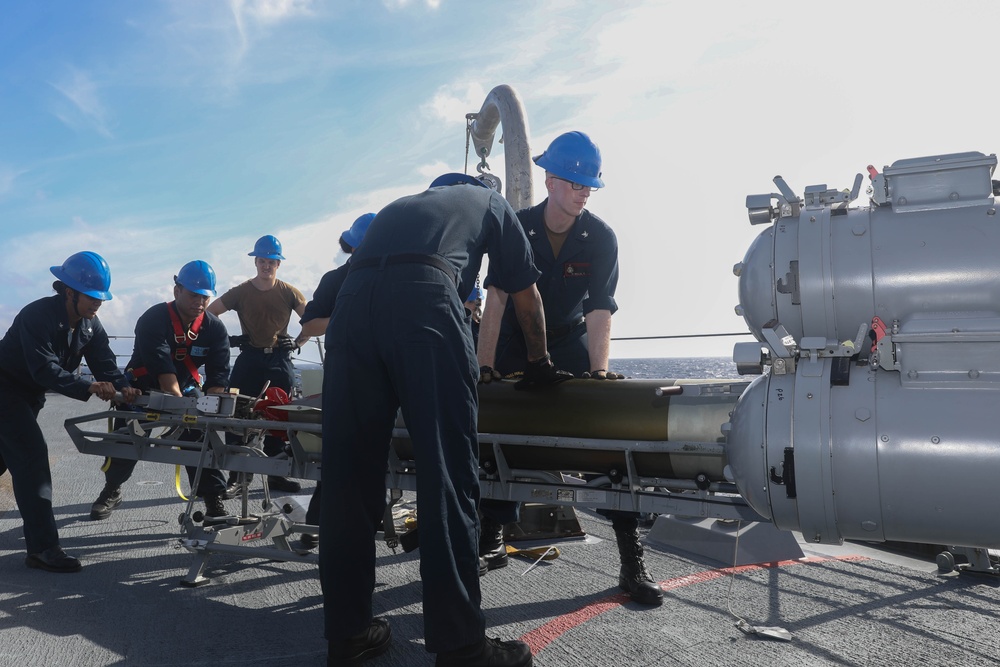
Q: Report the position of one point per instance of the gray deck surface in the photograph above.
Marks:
(844, 607)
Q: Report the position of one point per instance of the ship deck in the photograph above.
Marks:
(847, 605)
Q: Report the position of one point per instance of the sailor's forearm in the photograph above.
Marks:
(531, 318)
(598, 338)
(489, 326)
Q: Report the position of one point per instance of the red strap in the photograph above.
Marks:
(185, 338)
(879, 329)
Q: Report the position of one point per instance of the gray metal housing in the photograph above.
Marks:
(881, 327)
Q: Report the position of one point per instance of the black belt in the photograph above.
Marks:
(556, 332)
(407, 258)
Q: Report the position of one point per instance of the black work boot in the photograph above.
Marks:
(488, 652)
(368, 644)
(53, 559)
(633, 577)
(109, 498)
(491, 546)
(214, 507)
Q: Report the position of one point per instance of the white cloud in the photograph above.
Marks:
(254, 14)
(267, 11)
(451, 102)
(87, 109)
(433, 170)
(393, 5)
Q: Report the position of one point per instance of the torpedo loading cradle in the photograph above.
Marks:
(650, 446)
(880, 326)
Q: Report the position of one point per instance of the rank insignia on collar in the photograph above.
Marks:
(584, 235)
(531, 232)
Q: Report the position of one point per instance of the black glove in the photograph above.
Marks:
(488, 374)
(285, 343)
(602, 374)
(542, 373)
(239, 341)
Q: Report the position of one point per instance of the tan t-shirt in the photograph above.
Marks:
(263, 315)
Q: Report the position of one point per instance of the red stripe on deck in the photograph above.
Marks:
(542, 636)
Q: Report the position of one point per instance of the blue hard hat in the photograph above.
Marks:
(456, 178)
(574, 157)
(87, 273)
(267, 247)
(353, 236)
(476, 294)
(198, 277)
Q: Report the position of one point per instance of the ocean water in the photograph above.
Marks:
(678, 368)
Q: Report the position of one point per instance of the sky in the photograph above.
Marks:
(159, 132)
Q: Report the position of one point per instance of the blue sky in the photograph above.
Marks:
(159, 132)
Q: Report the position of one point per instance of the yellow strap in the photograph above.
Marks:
(543, 553)
(177, 482)
(107, 459)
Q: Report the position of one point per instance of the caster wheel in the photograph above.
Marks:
(945, 562)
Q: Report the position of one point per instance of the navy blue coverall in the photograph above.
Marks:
(321, 305)
(400, 338)
(325, 296)
(583, 278)
(155, 354)
(255, 367)
(39, 353)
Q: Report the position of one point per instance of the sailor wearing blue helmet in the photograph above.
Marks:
(577, 253)
(41, 352)
(264, 305)
(173, 340)
(351, 238)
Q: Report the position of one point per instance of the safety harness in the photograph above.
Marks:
(184, 339)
